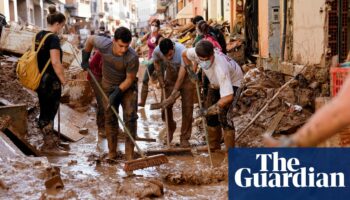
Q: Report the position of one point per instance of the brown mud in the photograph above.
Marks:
(86, 174)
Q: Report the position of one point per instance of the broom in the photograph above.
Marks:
(139, 163)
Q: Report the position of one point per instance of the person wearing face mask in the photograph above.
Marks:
(49, 90)
(225, 77)
(169, 54)
(153, 39)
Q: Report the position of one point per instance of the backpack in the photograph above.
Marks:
(27, 69)
(219, 37)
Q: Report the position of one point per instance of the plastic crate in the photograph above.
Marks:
(338, 76)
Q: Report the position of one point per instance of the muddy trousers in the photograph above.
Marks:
(100, 117)
(49, 94)
(144, 87)
(187, 92)
(216, 123)
(129, 106)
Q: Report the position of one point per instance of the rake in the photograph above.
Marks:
(144, 161)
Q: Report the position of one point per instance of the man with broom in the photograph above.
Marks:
(119, 83)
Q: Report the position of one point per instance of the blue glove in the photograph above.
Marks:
(85, 59)
(115, 97)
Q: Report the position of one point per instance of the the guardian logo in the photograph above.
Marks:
(279, 172)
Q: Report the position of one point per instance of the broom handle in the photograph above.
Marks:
(112, 107)
(204, 122)
(166, 121)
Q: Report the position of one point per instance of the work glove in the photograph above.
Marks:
(85, 59)
(212, 110)
(115, 97)
(171, 99)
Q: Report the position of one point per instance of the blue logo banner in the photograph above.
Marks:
(289, 173)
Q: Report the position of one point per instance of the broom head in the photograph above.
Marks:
(145, 162)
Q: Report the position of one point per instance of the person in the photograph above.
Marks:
(153, 39)
(96, 63)
(199, 36)
(49, 90)
(169, 55)
(204, 29)
(326, 122)
(119, 82)
(225, 77)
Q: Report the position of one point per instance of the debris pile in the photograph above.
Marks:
(295, 101)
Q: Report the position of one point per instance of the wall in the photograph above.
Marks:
(227, 10)
(197, 7)
(308, 31)
(212, 9)
(263, 28)
(22, 7)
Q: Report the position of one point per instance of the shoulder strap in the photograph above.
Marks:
(42, 41)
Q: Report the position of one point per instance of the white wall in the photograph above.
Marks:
(308, 32)
(145, 8)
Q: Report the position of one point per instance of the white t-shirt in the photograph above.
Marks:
(223, 73)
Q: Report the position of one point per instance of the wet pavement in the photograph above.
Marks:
(87, 175)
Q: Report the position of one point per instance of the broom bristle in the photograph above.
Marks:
(145, 162)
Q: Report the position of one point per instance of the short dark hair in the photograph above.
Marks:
(157, 22)
(55, 16)
(123, 34)
(196, 19)
(204, 49)
(166, 45)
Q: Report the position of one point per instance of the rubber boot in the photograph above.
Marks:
(112, 140)
(229, 139)
(144, 93)
(214, 137)
(50, 146)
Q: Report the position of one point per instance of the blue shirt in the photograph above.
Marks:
(176, 61)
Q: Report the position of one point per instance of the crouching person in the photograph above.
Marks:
(225, 77)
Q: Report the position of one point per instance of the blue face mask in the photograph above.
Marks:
(205, 64)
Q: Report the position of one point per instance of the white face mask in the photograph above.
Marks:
(154, 29)
(205, 64)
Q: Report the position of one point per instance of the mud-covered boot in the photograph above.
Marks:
(112, 140)
(229, 139)
(144, 93)
(185, 143)
(214, 137)
(50, 146)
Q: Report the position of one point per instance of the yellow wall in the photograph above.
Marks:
(263, 29)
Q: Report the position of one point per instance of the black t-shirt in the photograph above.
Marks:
(51, 42)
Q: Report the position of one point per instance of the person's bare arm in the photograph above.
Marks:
(224, 101)
(89, 45)
(144, 38)
(57, 65)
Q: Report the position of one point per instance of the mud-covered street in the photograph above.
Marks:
(87, 175)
